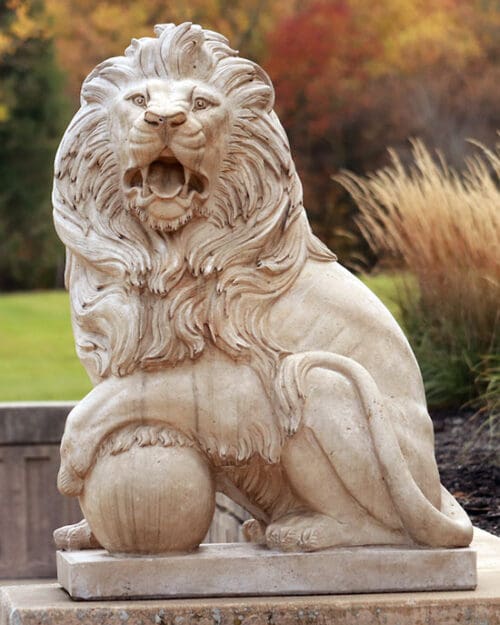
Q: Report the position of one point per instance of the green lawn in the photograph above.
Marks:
(37, 354)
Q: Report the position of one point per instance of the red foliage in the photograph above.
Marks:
(317, 59)
(355, 76)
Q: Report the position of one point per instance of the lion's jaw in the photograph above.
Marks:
(170, 138)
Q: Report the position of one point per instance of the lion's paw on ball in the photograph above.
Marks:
(149, 500)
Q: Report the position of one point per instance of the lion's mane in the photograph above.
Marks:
(142, 298)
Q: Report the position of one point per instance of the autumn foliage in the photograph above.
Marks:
(319, 59)
(352, 77)
(88, 31)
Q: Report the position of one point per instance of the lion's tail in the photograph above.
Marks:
(426, 524)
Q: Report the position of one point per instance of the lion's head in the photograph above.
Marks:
(178, 201)
(170, 141)
(172, 106)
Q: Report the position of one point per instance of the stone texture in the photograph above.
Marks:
(230, 570)
(30, 434)
(33, 423)
(30, 509)
(209, 317)
(33, 605)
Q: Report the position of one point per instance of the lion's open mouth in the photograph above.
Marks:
(165, 178)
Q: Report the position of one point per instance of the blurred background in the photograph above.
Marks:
(392, 110)
(354, 80)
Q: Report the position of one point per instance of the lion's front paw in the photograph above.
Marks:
(73, 537)
(303, 532)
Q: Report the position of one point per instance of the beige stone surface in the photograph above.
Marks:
(50, 605)
(213, 322)
(236, 569)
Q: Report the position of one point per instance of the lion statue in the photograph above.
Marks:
(229, 350)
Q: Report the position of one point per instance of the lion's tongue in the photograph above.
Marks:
(165, 179)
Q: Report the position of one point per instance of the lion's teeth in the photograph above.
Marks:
(145, 191)
(185, 186)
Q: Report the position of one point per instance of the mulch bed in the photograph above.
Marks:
(469, 464)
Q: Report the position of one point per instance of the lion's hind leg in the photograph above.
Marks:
(344, 458)
(332, 516)
(331, 464)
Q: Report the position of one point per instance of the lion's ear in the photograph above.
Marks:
(246, 82)
(264, 96)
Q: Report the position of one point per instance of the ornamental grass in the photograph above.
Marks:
(443, 228)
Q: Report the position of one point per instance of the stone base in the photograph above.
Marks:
(239, 569)
(50, 605)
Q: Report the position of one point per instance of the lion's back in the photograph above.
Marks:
(329, 309)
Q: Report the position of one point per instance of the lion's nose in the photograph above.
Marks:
(174, 118)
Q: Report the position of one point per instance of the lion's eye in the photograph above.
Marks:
(139, 100)
(200, 104)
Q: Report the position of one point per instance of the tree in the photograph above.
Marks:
(354, 76)
(36, 36)
(34, 113)
(88, 31)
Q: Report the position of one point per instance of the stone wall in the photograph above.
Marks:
(31, 507)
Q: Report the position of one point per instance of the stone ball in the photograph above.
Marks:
(149, 500)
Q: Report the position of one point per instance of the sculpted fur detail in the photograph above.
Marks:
(175, 287)
(221, 336)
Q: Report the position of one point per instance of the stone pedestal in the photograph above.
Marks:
(49, 604)
(239, 569)
(30, 435)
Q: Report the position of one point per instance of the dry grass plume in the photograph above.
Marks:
(443, 227)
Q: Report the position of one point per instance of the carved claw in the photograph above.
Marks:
(303, 532)
(73, 537)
